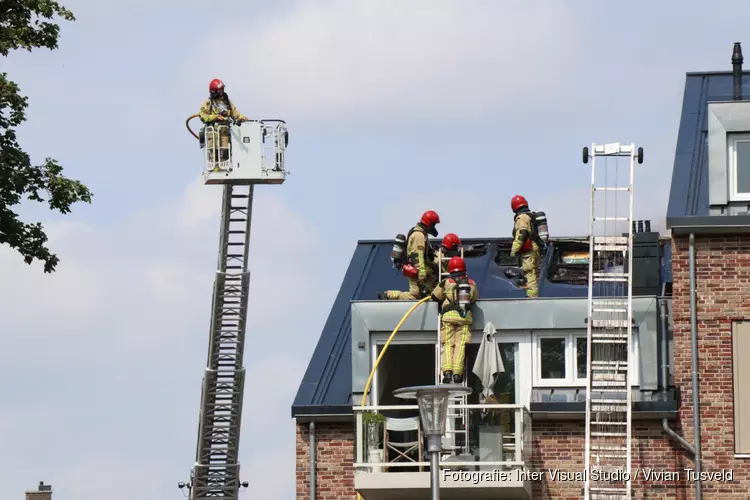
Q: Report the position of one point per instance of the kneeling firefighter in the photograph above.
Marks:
(529, 237)
(455, 295)
(414, 256)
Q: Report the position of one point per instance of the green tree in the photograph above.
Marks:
(29, 24)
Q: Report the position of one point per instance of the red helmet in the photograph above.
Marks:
(451, 241)
(430, 218)
(456, 265)
(517, 202)
(216, 85)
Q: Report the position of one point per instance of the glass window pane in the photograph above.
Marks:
(581, 357)
(505, 383)
(553, 358)
(742, 150)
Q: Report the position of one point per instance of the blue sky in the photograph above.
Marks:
(394, 107)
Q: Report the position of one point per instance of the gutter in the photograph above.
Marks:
(694, 450)
(313, 456)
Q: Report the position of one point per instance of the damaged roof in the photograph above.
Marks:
(688, 196)
(326, 386)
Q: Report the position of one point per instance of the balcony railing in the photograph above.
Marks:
(497, 437)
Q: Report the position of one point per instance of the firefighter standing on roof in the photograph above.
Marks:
(455, 295)
(417, 265)
(218, 110)
(526, 242)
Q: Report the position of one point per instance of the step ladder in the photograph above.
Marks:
(457, 421)
(217, 470)
(610, 322)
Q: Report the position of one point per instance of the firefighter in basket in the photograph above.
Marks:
(455, 295)
(414, 256)
(218, 111)
(530, 236)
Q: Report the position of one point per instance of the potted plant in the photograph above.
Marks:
(374, 424)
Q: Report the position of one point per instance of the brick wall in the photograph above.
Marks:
(723, 287)
(335, 456)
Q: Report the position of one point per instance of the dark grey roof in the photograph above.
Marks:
(688, 196)
(326, 386)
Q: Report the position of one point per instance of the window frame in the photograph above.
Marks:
(732, 140)
(571, 359)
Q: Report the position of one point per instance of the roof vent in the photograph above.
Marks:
(737, 72)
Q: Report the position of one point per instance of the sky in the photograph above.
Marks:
(393, 107)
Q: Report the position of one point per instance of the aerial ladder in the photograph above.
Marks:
(238, 155)
(456, 437)
(610, 322)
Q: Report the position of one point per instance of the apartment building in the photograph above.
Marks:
(543, 346)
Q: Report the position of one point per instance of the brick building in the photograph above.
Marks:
(43, 492)
(542, 341)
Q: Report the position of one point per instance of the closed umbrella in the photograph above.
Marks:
(489, 363)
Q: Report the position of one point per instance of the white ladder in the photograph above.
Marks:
(609, 324)
(457, 422)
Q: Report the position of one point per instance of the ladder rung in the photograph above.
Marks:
(607, 409)
(608, 447)
(610, 323)
(609, 302)
(607, 188)
(612, 377)
(607, 401)
(610, 275)
(610, 309)
(610, 279)
(609, 434)
(608, 423)
(611, 248)
(611, 218)
(598, 385)
(611, 240)
(616, 336)
(616, 364)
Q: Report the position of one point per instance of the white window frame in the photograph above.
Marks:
(571, 379)
(732, 140)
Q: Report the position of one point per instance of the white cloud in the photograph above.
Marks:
(445, 58)
(111, 348)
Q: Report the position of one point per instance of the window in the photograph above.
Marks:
(739, 166)
(741, 375)
(560, 359)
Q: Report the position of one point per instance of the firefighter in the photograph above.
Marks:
(455, 296)
(526, 243)
(419, 264)
(450, 247)
(219, 110)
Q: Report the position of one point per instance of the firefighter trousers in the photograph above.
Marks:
(415, 290)
(453, 338)
(530, 267)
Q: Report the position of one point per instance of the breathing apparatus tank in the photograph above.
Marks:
(540, 218)
(398, 251)
(464, 295)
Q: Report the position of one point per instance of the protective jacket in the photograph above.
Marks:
(420, 253)
(446, 295)
(213, 108)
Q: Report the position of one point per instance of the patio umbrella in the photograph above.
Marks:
(489, 363)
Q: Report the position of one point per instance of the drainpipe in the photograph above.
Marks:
(313, 453)
(664, 345)
(694, 450)
(694, 348)
(737, 72)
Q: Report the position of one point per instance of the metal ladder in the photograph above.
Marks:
(609, 326)
(216, 473)
(457, 422)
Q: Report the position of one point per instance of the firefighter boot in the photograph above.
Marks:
(447, 376)
(457, 379)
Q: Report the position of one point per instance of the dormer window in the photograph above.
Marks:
(738, 145)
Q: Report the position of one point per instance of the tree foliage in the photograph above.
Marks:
(29, 24)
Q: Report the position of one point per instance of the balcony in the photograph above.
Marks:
(487, 450)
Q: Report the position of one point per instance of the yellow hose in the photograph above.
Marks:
(385, 347)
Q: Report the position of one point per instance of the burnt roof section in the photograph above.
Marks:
(326, 386)
(688, 197)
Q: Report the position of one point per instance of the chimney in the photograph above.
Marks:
(640, 226)
(737, 72)
(43, 493)
(648, 225)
